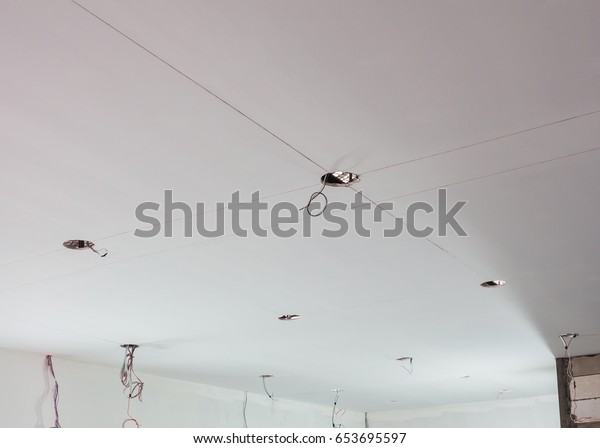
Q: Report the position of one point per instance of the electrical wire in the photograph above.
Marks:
(39, 414)
(270, 395)
(411, 369)
(502, 394)
(567, 339)
(129, 379)
(132, 384)
(50, 368)
(129, 417)
(244, 405)
(314, 196)
(339, 413)
(101, 252)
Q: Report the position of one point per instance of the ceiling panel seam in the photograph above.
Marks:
(509, 170)
(460, 148)
(210, 92)
(114, 235)
(465, 264)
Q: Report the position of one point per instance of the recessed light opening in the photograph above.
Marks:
(335, 179)
(493, 284)
(289, 317)
(339, 179)
(84, 244)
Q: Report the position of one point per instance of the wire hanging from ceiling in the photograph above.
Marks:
(132, 384)
(50, 368)
(409, 369)
(337, 413)
(269, 394)
(567, 339)
(314, 196)
(244, 405)
(502, 394)
(335, 179)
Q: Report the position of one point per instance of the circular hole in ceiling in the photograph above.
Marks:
(289, 317)
(493, 284)
(339, 179)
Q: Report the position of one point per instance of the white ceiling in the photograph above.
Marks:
(103, 106)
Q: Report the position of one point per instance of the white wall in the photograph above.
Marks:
(537, 412)
(92, 396)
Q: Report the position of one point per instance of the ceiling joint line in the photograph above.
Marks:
(194, 215)
(103, 265)
(427, 239)
(510, 170)
(207, 90)
(127, 232)
(460, 148)
(555, 159)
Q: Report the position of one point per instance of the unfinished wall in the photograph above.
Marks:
(579, 391)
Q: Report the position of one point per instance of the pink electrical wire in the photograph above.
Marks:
(132, 384)
(50, 368)
(130, 419)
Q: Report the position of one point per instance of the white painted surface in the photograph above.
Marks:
(91, 396)
(91, 125)
(536, 412)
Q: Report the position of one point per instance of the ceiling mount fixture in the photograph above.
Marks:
(289, 317)
(493, 284)
(84, 244)
(567, 338)
(334, 179)
(340, 179)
